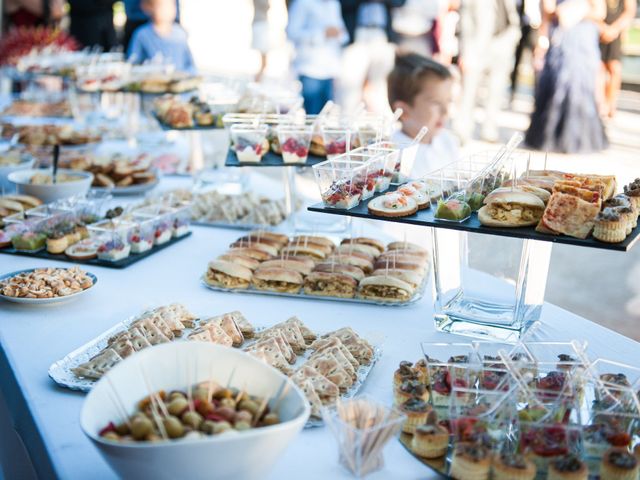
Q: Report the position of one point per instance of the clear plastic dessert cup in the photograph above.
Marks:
(249, 142)
(163, 218)
(181, 219)
(142, 235)
(337, 140)
(341, 182)
(112, 239)
(294, 143)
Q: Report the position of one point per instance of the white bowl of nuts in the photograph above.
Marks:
(193, 410)
(39, 183)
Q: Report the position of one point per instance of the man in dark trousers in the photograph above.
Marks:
(91, 23)
(369, 57)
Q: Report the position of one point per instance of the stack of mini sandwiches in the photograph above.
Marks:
(329, 370)
(161, 325)
(357, 268)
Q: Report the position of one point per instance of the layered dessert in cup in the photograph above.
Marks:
(294, 143)
(249, 142)
(163, 222)
(142, 235)
(341, 182)
(181, 220)
(112, 238)
(337, 140)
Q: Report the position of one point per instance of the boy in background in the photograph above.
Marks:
(318, 32)
(422, 88)
(161, 37)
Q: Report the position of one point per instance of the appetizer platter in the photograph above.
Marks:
(44, 286)
(326, 367)
(474, 222)
(173, 113)
(32, 108)
(358, 270)
(48, 135)
(79, 232)
(538, 409)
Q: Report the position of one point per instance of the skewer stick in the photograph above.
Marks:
(118, 402)
(546, 155)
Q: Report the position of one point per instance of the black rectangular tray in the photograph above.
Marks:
(426, 218)
(270, 160)
(166, 127)
(124, 263)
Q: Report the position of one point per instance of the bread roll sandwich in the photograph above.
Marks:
(277, 279)
(541, 193)
(412, 278)
(351, 270)
(269, 249)
(365, 241)
(248, 262)
(330, 284)
(356, 259)
(368, 251)
(228, 275)
(511, 208)
(406, 246)
(281, 239)
(385, 288)
(294, 265)
(310, 250)
(252, 252)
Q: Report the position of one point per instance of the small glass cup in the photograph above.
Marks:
(163, 221)
(362, 427)
(142, 235)
(28, 236)
(341, 182)
(249, 142)
(337, 140)
(294, 143)
(181, 219)
(112, 239)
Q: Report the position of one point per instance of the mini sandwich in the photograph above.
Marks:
(327, 284)
(355, 258)
(307, 261)
(254, 239)
(541, 193)
(278, 238)
(228, 275)
(385, 288)
(355, 272)
(546, 183)
(511, 208)
(269, 249)
(289, 264)
(365, 241)
(407, 246)
(277, 279)
(302, 239)
(412, 278)
(256, 253)
(404, 257)
(409, 264)
(310, 250)
(368, 250)
(247, 262)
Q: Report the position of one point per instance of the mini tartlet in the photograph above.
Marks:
(470, 462)
(393, 204)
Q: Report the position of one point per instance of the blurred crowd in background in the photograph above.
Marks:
(461, 54)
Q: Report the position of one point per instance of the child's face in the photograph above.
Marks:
(161, 11)
(429, 108)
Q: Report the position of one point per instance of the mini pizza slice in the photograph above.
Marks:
(570, 215)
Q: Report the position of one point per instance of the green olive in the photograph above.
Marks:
(175, 394)
(174, 428)
(141, 427)
(178, 406)
(271, 419)
(228, 402)
(223, 393)
(122, 429)
(226, 412)
(192, 419)
(242, 426)
(204, 408)
(153, 437)
(207, 427)
(243, 416)
(113, 436)
(249, 405)
(200, 393)
(220, 427)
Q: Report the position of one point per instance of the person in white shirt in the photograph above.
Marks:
(317, 31)
(422, 88)
(413, 22)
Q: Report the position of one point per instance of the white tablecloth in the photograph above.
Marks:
(46, 417)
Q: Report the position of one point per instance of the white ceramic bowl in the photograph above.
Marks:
(6, 186)
(245, 455)
(50, 193)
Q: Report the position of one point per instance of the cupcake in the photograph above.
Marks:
(430, 440)
(416, 411)
(470, 462)
(633, 192)
(610, 226)
(623, 206)
(619, 464)
(512, 466)
(411, 389)
(423, 373)
(569, 467)
(404, 372)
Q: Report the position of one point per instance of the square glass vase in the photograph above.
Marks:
(486, 286)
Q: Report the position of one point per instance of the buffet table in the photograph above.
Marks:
(46, 417)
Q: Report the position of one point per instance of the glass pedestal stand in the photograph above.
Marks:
(487, 287)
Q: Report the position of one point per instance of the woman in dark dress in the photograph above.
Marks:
(620, 14)
(566, 116)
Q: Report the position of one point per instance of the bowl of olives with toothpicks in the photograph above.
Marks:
(193, 410)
